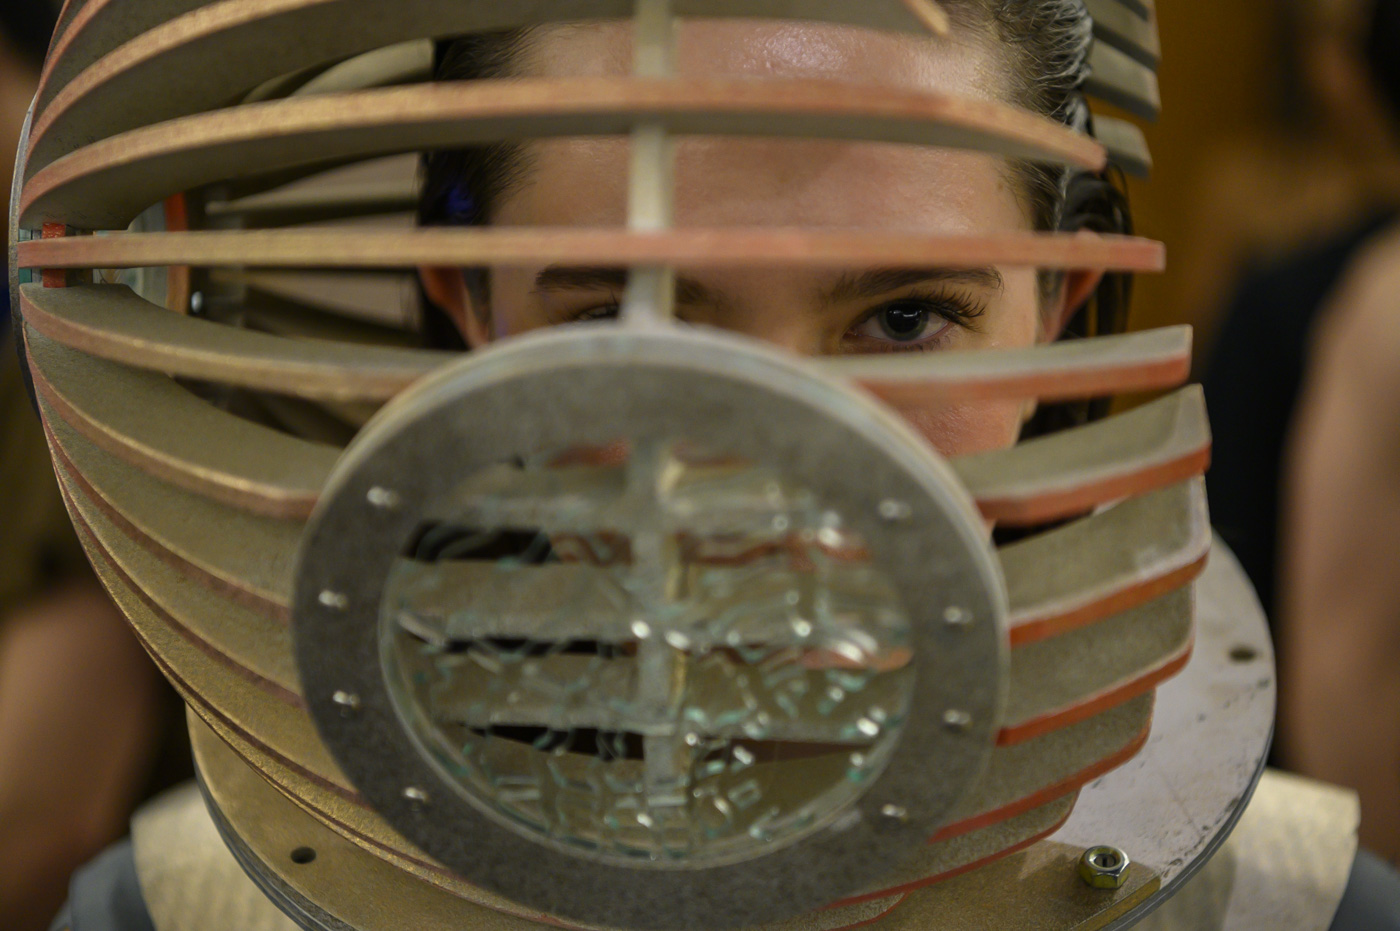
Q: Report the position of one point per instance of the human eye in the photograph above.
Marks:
(915, 323)
(609, 309)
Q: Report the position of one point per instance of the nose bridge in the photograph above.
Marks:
(776, 308)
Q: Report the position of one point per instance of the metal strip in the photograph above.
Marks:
(1059, 371)
(106, 184)
(154, 424)
(1117, 78)
(1057, 682)
(1069, 473)
(726, 247)
(111, 322)
(1107, 563)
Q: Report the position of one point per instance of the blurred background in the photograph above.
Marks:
(1277, 173)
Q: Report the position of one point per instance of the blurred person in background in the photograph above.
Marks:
(79, 700)
(1308, 350)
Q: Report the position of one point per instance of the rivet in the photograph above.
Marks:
(334, 600)
(349, 703)
(383, 498)
(955, 616)
(416, 797)
(895, 813)
(892, 510)
(956, 720)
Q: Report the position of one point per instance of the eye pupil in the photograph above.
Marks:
(903, 321)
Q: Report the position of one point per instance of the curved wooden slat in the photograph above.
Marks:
(1127, 30)
(111, 322)
(241, 556)
(1058, 682)
(1069, 473)
(1059, 371)
(218, 753)
(1118, 78)
(250, 644)
(1126, 145)
(159, 427)
(334, 248)
(1108, 563)
(272, 37)
(214, 687)
(106, 184)
(1033, 773)
(943, 860)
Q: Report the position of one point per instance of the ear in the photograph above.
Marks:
(447, 288)
(1078, 286)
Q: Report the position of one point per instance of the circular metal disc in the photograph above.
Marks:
(587, 387)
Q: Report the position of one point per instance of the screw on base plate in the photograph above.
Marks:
(1104, 867)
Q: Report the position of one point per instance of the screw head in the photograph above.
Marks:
(957, 617)
(1104, 867)
(895, 813)
(197, 303)
(383, 498)
(349, 703)
(956, 719)
(416, 797)
(333, 600)
(893, 511)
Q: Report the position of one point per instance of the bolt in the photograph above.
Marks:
(893, 511)
(1104, 867)
(383, 498)
(334, 600)
(349, 703)
(957, 617)
(956, 720)
(895, 813)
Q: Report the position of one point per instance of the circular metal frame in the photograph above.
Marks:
(586, 386)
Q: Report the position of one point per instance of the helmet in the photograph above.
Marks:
(627, 625)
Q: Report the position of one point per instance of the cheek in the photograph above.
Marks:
(965, 429)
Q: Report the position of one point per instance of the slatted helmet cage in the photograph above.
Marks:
(763, 666)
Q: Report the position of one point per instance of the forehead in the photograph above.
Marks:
(963, 63)
(778, 182)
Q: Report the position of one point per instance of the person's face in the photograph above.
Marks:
(787, 183)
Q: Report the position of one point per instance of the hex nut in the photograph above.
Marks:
(1104, 867)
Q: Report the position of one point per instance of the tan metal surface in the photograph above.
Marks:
(1059, 371)
(272, 37)
(106, 184)
(111, 322)
(1126, 144)
(1038, 887)
(161, 428)
(250, 643)
(776, 247)
(240, 555)
(1118, 78)
(1075, 675)
(1124, 29)
(1106, 563)
(1068, 473)
(1285, 866)
(377, 894)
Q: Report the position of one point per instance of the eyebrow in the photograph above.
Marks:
(603, 278)
(853, 286)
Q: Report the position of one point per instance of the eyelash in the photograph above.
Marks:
(957, 309)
